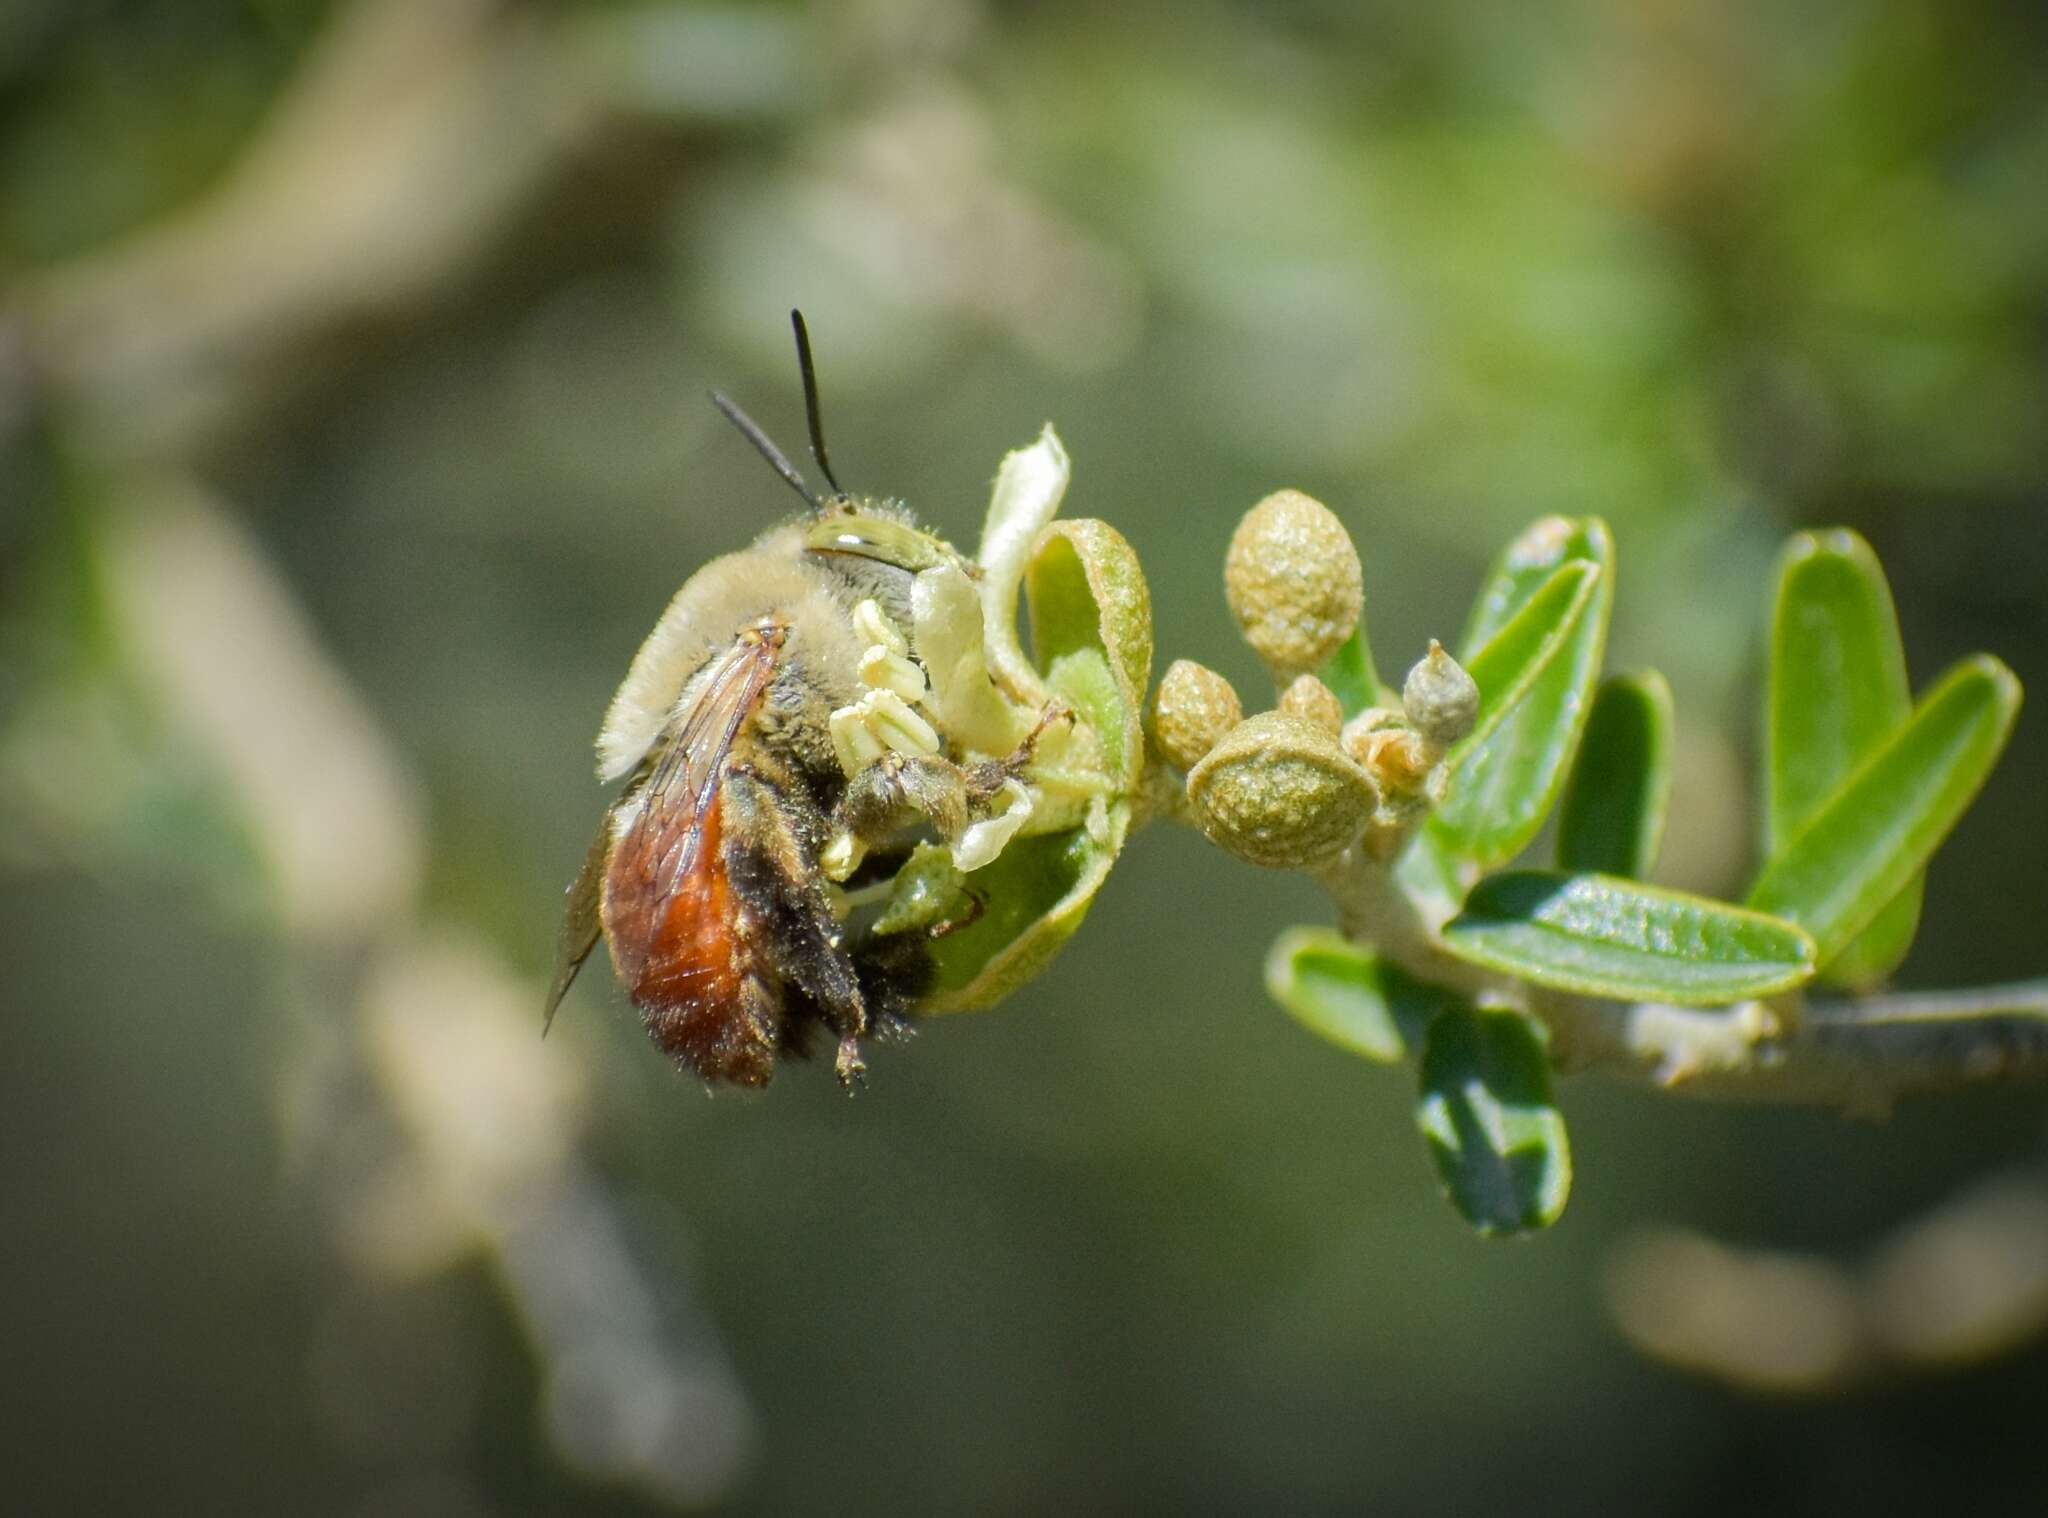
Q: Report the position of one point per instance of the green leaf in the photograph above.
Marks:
(1600, 935)
(1036, 894)
(1522, 567)
(1351, 677)
(1507, 666)
(1612, 816)
(1497, 1140)
(1504, 783)
(1879, 827)
(1838, 689)
(1350, 995)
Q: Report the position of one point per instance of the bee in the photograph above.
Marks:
(768, 722)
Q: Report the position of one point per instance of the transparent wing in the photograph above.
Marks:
(665, 836)
(580, 924)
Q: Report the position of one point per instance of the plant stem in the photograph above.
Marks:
(1859, 1054)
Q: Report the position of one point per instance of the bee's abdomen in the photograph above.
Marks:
(675, 942)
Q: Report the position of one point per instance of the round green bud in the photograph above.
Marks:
(1312, 701)
(1191, 711)
(1440, 699)
(1278, 792)
(1293, 581)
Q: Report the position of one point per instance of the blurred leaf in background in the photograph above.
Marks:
(399, 314)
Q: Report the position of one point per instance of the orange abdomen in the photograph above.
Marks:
(673, 939)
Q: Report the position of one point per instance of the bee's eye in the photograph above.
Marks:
(879, 538)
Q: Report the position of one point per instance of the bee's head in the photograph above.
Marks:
(865, 539)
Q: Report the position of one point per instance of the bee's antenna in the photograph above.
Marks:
(810, 374)
(751, 431)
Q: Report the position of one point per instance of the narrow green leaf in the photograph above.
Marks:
(1879, 827)
(1519, 647)
(1612, 816)
(1350, 995)
(1602, 936)
(1838, 674)
(1351, 676)
(1497, 1140)
(1867, 960)
(1504, 784)
(1507, 666)
(1522, 566)
(1837, 690)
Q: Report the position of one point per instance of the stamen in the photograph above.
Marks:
(842, 856)
(898, 726)
(872, 624)
(889, 671)
(853, 739)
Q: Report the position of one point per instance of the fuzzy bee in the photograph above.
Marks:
(782, 751)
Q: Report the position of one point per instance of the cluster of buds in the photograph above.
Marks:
(1296, 786)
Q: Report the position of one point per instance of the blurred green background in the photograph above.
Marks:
(352, 361)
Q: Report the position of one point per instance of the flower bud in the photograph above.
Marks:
(1191, 711)
(1278, 792)
(1440, 699)
(1314, 702)
(1293, 581)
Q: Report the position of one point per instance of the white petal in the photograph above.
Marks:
(1027, 496)
(946, 621)
(981, 842)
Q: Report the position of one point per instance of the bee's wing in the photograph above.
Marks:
(672, 799)
(669, 827)
(580, 924)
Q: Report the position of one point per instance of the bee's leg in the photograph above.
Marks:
(746, 1049)
(898, 790)
(771, 864)
(891, 794)
(976, 905)
(985, 780)
(976, 809)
